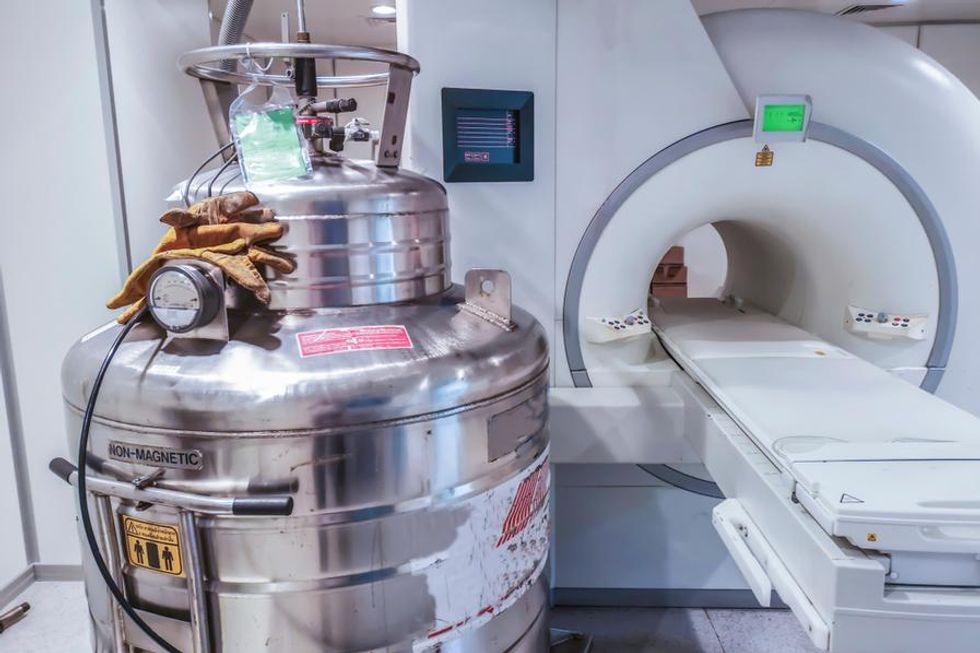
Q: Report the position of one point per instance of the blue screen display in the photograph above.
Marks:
(487, 136)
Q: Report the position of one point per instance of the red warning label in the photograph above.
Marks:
(530, 497)
(362, 338)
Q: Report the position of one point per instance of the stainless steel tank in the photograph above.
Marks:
(405, 415)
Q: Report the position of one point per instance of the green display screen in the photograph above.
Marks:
(783, 117)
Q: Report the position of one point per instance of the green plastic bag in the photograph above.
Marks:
(269, 145)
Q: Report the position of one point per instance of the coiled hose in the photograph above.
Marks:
(233, 26)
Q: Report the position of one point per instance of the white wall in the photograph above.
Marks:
(505, 44)
(163, 133)
(907, 33)
(957, 48)
(58, 249)
(163, 126)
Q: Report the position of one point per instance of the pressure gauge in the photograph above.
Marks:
(183, 297)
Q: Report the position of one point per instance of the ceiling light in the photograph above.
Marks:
(383, 8)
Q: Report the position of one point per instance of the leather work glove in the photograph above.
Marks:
(226, 231)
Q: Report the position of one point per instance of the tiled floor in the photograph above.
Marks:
(676, 630)
(58, 623)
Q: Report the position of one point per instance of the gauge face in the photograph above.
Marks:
(177, 298)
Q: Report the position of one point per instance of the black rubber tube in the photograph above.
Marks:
(62, 469)
(263, 506)
(83, 511)
(187, 187)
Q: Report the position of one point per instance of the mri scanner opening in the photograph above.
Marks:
(697, 266)
(809, 253)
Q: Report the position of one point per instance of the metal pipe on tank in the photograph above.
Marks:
(301, 15)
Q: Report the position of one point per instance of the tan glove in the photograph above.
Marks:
(225, 231)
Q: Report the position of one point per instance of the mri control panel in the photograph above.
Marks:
(874, 323)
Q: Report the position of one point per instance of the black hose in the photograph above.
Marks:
(233, 177)
(221, 170)
(187, 187)
(83, 511)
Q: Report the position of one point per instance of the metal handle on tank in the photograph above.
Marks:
(189, 505)
(205, 63)
(271, 506)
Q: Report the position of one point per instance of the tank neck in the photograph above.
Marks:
(358, 233)
(363, 259)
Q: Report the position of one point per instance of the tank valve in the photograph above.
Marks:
(358, 130)
(334, 105)
(320, 128)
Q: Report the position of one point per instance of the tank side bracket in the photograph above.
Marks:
(488, 296)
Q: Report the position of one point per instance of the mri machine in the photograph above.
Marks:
(826, 391)
(852, 493)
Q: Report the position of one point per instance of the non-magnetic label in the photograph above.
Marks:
(142, 454)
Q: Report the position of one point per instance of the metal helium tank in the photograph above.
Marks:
(401, 417)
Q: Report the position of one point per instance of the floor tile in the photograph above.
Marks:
(641, 630)
(56, 623)
(760, 631)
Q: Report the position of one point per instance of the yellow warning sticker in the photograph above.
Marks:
(153, 546)
(764, 157)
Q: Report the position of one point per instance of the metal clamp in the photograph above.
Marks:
(488, 296)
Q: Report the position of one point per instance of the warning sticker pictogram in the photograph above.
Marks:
(847, 498)
(153, 546)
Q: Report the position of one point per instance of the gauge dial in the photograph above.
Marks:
(182, 297)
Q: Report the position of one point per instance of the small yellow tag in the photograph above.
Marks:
(763, 158)
(153, 546)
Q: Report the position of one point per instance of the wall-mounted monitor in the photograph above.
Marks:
(487, 135)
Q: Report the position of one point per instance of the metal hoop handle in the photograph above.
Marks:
(204, 63)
